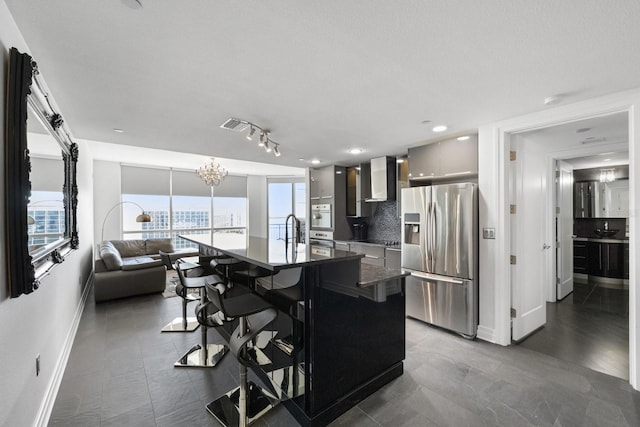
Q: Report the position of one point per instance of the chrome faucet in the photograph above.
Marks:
(606, 225)
(295, 224)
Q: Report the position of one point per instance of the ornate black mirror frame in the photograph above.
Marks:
(26, 87)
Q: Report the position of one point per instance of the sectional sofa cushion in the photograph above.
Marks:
(139, 263)
(130, 248)
(111, 256)
(155, 246)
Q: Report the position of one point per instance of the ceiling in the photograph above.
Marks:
(324, 77)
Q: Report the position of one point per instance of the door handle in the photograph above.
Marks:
(428, 276)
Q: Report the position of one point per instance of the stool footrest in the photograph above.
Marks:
(178, 325)
(225, 408)
(199, 357)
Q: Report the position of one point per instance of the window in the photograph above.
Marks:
(285, 197)
(46, 218)
(181, 204)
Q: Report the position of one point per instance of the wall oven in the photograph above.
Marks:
(321, 238)
(321, 216)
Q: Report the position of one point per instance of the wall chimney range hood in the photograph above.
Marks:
(383, 179)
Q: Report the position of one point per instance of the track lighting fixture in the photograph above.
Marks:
(239, 125)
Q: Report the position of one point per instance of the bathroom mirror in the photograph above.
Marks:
(40, 181)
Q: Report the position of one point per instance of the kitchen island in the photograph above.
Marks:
(340, 332)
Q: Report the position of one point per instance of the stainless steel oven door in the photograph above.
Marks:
(321, 216)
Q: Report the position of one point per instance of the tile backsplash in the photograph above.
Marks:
(385, 222)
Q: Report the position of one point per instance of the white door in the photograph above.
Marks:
(528, 178)
(564, 230)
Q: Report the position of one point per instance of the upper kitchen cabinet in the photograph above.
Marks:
(449, 159)
(322, 184)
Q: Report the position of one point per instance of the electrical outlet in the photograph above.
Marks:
(37, 365)
(488, 233)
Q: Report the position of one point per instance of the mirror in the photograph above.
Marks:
(40, 183)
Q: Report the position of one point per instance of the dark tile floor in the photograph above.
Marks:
(120, 373)
(590, 327)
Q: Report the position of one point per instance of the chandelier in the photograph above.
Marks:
(264, 141)
(212, 173)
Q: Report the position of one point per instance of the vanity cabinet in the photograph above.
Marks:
(606, 259)
(445, 159)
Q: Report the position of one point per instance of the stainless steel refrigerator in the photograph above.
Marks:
(439, 248)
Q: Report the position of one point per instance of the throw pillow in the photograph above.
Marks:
(110, 256)
(154, 246)
(129, 248)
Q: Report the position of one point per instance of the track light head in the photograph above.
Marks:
(251, 132)
(276, 152)
(267, 147)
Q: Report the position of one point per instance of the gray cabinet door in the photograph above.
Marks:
(392, 258)
(459, 158)
(343, 246)
(424, 161)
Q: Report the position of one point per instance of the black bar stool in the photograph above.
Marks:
(202, 355)
(225, 266)
(184, 323)
(245, 404)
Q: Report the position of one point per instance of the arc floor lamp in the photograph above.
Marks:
(143, 217)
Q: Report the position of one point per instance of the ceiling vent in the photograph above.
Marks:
(234, 124)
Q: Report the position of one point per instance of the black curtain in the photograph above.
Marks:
(20, 270)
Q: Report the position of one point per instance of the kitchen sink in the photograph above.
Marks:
(605, 233)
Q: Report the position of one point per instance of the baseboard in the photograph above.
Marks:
(486, 334)
(44, 412)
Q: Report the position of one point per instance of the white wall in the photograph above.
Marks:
(257, 196)
(495, 290)
(106, 187)
(43, 321)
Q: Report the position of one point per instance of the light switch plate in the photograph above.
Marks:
(488, 233)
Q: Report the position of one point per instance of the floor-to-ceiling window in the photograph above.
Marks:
(181, 204)
(285, 196)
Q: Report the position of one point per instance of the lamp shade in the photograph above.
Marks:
(143, 217)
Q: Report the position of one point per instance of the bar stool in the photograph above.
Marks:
(202, 355)
(246, 403)
(224, 266)
(249, 275)
(184, 323)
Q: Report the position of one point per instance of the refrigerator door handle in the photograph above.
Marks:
(434, 219)
(429, 276)
(429, 236)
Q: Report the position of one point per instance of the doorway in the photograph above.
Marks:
(576, 317)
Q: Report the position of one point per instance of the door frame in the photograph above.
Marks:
(493, 179)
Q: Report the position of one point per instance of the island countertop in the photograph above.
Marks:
(372, 274)
(272, 254)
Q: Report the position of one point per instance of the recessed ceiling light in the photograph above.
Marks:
(357, 168)
(582, 130)
(356, 150)
(301, 159)
(400, 161)
(439, 128)
(606, 160)
(463, 138)
(338, 172)
(118, 130)
(315, 161)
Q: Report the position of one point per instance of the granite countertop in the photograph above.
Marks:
(372, 274)
(273, 254)
(381, 244)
